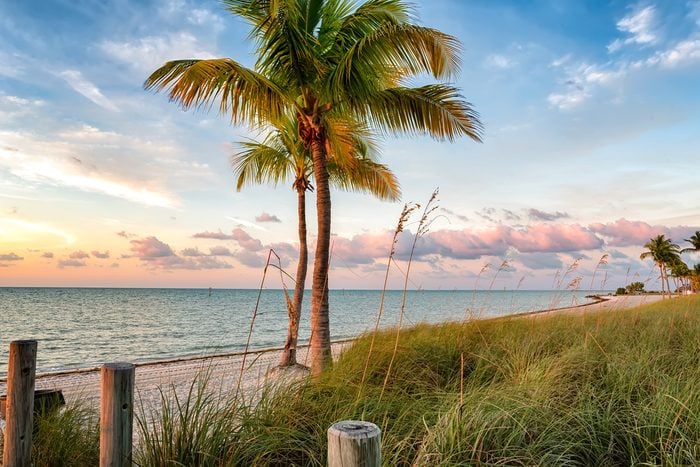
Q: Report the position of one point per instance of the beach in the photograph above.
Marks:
(223, 370)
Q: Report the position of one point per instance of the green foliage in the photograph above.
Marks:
(635, 288)
(596, 389)
(621, 291)
(69, 436)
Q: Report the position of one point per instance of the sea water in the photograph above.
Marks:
(85, 327)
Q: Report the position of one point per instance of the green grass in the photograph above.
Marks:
(607, 388)
(66, 437)
(610, 388)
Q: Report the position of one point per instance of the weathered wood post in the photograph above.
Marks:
(21, 374)
(353, 443)
(116, 414)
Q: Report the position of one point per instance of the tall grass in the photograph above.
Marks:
(68, 436)
(622, 388)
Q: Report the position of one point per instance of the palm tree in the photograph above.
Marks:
(325, 60)
(693, 240)
(281, 156)
(664, 253)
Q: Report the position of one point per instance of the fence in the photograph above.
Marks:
(350, 443)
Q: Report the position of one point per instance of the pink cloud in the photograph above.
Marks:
(213, 235)
(10, 257)
(636, 233)
(191, 252)
(71, 263)
(150, 248)
(220, 251)
(159, 255)
(245, 241)
(466, 244)
(79, 255)
(99, 255)
(553, 238)
(47, 254)
(266, 217)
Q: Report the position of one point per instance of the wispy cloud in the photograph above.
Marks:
(546, 216)
(80, 84)
(498, 61)
(70, 263)
(56, 163)
(157, 254)
(10, 257)
(100, 255)
(265, 217)
(148, 53)
(638, 28)
(245, 223)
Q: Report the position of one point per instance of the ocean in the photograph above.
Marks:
(85, 327)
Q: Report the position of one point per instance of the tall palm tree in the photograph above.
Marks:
(281, 156)
(664, 253)
(693, 240)
(325, 60)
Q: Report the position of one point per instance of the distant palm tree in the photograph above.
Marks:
(693, 240)
(324, 60)
(281, 156)
(664, 253)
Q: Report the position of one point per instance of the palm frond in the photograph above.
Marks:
(400, 49)
(258, 163)
(368, 177)
(437, 110)
(247, 95)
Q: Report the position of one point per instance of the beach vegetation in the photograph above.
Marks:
(322, 61)
(694, 240)
(66, 436)
(281, 156)
(598, 388)
(664, 253)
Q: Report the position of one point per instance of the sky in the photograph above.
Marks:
(591, 112)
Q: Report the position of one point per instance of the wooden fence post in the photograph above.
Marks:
(21, 374)
(116, 414)
(354, 444)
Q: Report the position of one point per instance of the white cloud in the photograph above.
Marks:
(149, 53)
(639, 28)
(59, 163)
(682, 53)
(498, 61)
(77, 81)
(568, 100)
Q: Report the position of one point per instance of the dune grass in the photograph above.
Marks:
(605, 388)
(609, 388)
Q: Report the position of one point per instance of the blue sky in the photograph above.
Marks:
(591, 114)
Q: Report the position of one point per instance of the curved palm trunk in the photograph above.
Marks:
(320, 345)
(289, 354)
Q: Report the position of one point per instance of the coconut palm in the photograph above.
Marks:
(693, 240)
(280, 157)
(664, 253)
(326, 60)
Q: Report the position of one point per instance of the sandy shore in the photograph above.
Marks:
(224, 370)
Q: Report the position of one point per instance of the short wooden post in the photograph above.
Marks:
(354, 444)
(116, 414)
(21, 373)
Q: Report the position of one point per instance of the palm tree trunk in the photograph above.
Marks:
(320, 345)
(289, 354)
(663, 289)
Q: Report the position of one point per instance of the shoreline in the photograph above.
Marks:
(223, 369)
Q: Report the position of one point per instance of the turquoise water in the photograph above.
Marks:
(78, 327)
